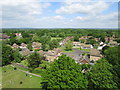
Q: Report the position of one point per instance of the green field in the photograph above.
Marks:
(12, 78)
(0, 77)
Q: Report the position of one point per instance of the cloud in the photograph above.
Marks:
(31, 13)
(108, 17)
(59, 17)
(111, 16)
(12, 9)
(21, 12)
(82, 7)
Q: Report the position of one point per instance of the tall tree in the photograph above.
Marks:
(7, 54)
(76, 38)
(68, 45)
(17, 56)
(100, 75)
(45, 47)
(34, 60)
(53, 44)
(113, 57)
(64, 73)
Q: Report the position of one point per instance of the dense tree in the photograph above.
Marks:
(45, 39)
(100, 75)
(91, 41)
(103, 49)
(29, 46)
(34, 60)
(68, 45)
(24, 40)
(7, 54)
(13, 40)
(53, 44)
(45, 47)
(64, 73)
(102, 38)
(113, 57)
(35, 38)
(17, 56)
(118, 40)
(76, 38)
(45, 64)
(25, 34)
(82, 40)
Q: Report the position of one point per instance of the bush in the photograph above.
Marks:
(37, 70)
(21, 82)
(15, 68)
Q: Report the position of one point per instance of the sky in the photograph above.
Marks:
(58, 14)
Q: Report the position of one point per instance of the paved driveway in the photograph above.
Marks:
(77, 54)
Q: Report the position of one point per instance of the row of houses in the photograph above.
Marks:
(107, 39)
(4, 36)
(35, 45)
(82, 45)
(51, 55)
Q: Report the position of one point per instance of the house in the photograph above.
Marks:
(113, 43)
(101, 43)
(36, 45)
(95, 55)
(76, 44)
(23, 45)
(62, 43)
(41, 52)
(18, 34)
(25, 52)
(86, 46)
(15, 45)
(107, 39)
(51, 55)
(101, 47)
(85, 37)
(4, 36)
(85, 59)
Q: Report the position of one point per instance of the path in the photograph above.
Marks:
(27, 72)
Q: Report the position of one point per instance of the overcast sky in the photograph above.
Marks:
(67, 14)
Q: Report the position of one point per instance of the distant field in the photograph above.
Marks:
(55, 38)
(12, 78)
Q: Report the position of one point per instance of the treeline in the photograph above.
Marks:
(64, 32)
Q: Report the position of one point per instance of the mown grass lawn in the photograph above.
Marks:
(81, 49)
(0, 78)
(63, 50)
(11, 79)
(85, 49)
